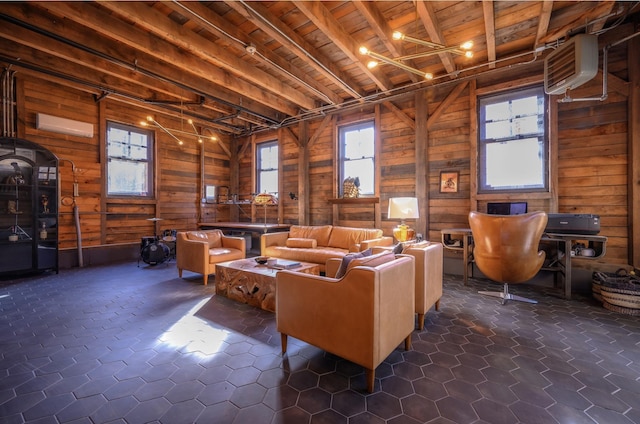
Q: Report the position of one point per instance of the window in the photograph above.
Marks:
(130, 166)
(357, 155)
(513, 145)
(267, 172)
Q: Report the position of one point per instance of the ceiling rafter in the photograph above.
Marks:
(110, 26)
(294, 43)
(490, 31)
(324, 20)
(160, 25)
(430, 21)
(216, 24)
(379, 25)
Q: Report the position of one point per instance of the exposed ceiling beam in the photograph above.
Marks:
(324, 20)
(428, 17)
(160, 25)
(543, 22)
(490, 31)
(379, 25)
(258, 14)
(222, 28)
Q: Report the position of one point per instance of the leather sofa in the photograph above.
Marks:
(316, 244)
(200, 251)
(362, 317)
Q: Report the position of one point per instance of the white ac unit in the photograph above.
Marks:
(63, 125)
(571, 65)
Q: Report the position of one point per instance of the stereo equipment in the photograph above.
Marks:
(568, 223)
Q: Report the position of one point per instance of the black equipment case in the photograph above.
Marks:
(569, 223)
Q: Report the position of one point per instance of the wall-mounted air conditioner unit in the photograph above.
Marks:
(571, 65)
(63, 125)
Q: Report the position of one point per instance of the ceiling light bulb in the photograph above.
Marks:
(143, 123)
(180, 142)
(213, 138)
(467, 45)
(190, 121)
(428, 76)
(150, 118)
(364, 50)
(397, 35)
(468, 53)
(372, 64)
(199, 140)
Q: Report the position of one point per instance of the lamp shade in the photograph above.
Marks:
(265, 199)
(403, 208)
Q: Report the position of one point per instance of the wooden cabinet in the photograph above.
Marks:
(28, 207)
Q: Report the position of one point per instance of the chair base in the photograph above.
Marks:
(505, 295)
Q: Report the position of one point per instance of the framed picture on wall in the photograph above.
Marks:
(449, 181)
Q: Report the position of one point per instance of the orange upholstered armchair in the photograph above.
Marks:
(361, 317)
(506, 248)
(200, 251)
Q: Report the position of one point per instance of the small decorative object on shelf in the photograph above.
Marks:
(43, 231)
(351, 187)
(44, 201)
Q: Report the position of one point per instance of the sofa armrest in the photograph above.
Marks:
(382, 241)
(233, 243)
(331, 267)
(192, 255)
(273, 239)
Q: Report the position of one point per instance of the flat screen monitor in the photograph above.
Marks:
(507, 208)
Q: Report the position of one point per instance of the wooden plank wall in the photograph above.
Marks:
(592, 163)
(111, 221)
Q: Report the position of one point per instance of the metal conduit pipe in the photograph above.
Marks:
(76, 212)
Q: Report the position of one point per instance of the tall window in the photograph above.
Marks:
(513, 144)
(267, 172)
(129, 153)
(357, 155)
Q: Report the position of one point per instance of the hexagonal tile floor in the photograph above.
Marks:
(128, 344)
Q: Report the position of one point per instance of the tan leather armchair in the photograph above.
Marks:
(362, 317)
(506, 248)
(429, 270)
(200, 251)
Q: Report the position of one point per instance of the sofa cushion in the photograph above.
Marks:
(318, 232)
(347, 237)
(373, 260)
(346, 260)
(302, 242)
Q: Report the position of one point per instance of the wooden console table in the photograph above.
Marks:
(461, 239)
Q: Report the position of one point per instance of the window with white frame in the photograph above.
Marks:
(130, 161)
(513, 143)
(357, 155)
(267, 167)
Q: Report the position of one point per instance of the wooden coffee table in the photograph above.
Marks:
(246, 281)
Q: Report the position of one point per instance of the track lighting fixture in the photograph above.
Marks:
(172, 132)
(464, 50)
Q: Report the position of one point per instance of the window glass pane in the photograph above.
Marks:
(515, 164)
(129, 161)
(357, 155)
(267, 164)
(513, 145)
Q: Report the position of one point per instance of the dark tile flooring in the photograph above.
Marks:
(128, 344)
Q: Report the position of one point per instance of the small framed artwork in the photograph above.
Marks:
(449, 181)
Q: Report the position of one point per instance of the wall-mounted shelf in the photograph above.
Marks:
(356, 201)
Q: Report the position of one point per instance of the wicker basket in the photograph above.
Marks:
(619, 291)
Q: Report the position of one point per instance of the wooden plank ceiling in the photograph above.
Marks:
(241, 67)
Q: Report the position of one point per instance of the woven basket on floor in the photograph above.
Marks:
(619, 291)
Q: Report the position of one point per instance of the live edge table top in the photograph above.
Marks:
(246, 281)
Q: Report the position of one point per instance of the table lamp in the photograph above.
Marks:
(403, 208)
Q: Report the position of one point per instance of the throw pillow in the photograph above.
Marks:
(373, 260)
(346, 260)
(398, 249)
(302, 242)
